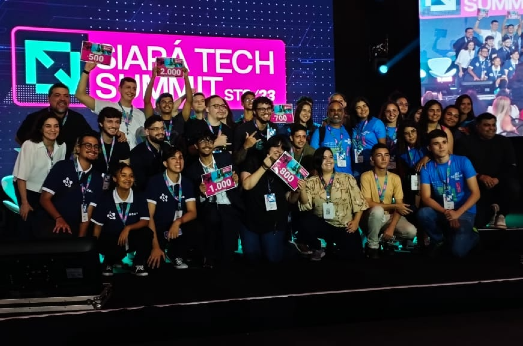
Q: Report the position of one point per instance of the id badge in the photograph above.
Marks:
(107, 181)
(177, 214)
(448, 202)
(358, 158)
(270, 132)
(414, 182)
(328, 211)
(270, 202)
(83, 209)
(341, 160)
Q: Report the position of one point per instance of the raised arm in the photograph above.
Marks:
(81, 89)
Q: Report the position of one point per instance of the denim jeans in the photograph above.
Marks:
(269, 245)
(461, 240)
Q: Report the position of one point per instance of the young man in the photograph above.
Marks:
(247, 100)
(113, 150)
(72, 124)
(384, 194)
(133, 118)
(146, 157)
(220, 214)
(449, 191)
(494, 160)
(172, 205)
(69, 189)
(301, 150)
(167, 108)
(493, 31)
(336, 137)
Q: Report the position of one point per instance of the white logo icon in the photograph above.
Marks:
(163, 197)
(67, 182)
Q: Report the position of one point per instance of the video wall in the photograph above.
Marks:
(281, 50)
(446, 29)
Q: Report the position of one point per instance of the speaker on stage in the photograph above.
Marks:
(49, 268)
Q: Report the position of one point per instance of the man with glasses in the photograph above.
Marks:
(479, 66)
(146, 157)
(250, 137)
(70, 191)
(247, 100)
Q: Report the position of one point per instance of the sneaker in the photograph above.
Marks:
(495, 210)
(317, 255)
(302, 248)
(139, 270)
(208, 263)
(500, 222)
(178, 263)
(108, 270)
(372, 253)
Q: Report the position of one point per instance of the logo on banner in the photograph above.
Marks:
(441, 5)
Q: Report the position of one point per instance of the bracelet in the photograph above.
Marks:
(86, 72)
(58, 217)
(264, 167)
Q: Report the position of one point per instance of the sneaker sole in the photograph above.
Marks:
(140, 274)
(107, 274)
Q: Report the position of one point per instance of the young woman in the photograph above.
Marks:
(266, 199)
(120, 222)
(335, 205)
(450, 120)
(464, 57)
(429, 120)
(391, 117)
(466, 110)
(302, 116)
(366, 131)
(36, 158)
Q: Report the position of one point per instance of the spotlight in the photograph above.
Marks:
(383, 69)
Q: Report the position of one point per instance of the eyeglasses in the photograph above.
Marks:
(264, 110)
(217, 107)
(156, 129)
(206, 140)
(90, 146)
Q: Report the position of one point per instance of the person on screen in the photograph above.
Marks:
(449, 192)
(221, 214)
(121, 220)
(133, 119)
(496, 74)
(494, 160)
(247, 99)
(478, 67)
(34, 161)
(464, 58)
(489, 43)
(463, 41)
(386, 214)
(505, 51)
(69, 189)
(493, 31)
(511, 31)
(332, 206)
(72, 124)
(510, 66)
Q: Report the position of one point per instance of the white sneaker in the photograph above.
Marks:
(495, 210)
(500, 222)
(179, 264)
(139, 270)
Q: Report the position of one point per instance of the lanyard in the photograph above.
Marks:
(151, 150)
(206, 169)
(169, 129)
(413, 154)
(50, 155)
(65, 116)
(328, 187)
(107, 158)
(123, 215)
(446, 182)
(127, 118)
(383, 189)
(86, 187)
(301, 156)
(268, 129)
(219, 130)
(340, 143)
(391, 141)
(360, 138)
(171, 190)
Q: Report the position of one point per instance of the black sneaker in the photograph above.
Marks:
(372, 253)
(208, 263)
(139, 270)
(108, 270)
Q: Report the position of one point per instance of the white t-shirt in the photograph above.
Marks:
(33, 163)
(135, 131)
(495, 34)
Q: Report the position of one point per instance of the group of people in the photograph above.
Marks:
(136, 183)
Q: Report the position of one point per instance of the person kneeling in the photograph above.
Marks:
(449, 191)
(120, 222)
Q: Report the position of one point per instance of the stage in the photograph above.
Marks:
(202, 304)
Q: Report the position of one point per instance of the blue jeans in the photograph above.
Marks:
(461, 240)
(267, 246)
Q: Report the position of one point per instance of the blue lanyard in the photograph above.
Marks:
(171, 190)
(86, 187)
(127, 118)
(383, 189)
(340, 143)
(446, 182)
(123, 216)
(107, 158)
(219, 130)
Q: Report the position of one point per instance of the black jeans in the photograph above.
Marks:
(140, 240)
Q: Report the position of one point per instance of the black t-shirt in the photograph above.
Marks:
(146, 162)
(258, 219)
(71, 128)
(121, 151)
(174, 130)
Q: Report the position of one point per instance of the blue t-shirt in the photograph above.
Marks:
(461, 169)
(107, 215)
(338, 140)
(63, 183)
(392, 140)
(166, 204)
(364, 136)
(411, 157)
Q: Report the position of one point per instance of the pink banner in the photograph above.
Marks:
(218, 181)
(96, 52)
(282, 114)
(469, 8)
(289, 170)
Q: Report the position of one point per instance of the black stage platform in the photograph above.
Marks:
(296, 297)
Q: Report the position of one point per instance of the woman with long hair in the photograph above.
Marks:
(36, 158)
(505, 125)
(390, 114)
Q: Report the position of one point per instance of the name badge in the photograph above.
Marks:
(83, 209)
(341, 160)
(357, 157)
(177, 214)
(448, 202)
(328, 211)
(270, 202)
(107, 181)
(414, 182)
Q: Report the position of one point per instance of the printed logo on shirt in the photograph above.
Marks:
(457, 176)
(133, 214)
(67, 182)
(164, 197)
(111, 216)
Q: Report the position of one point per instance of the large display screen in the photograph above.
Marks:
(494, 27)
(279, 50)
